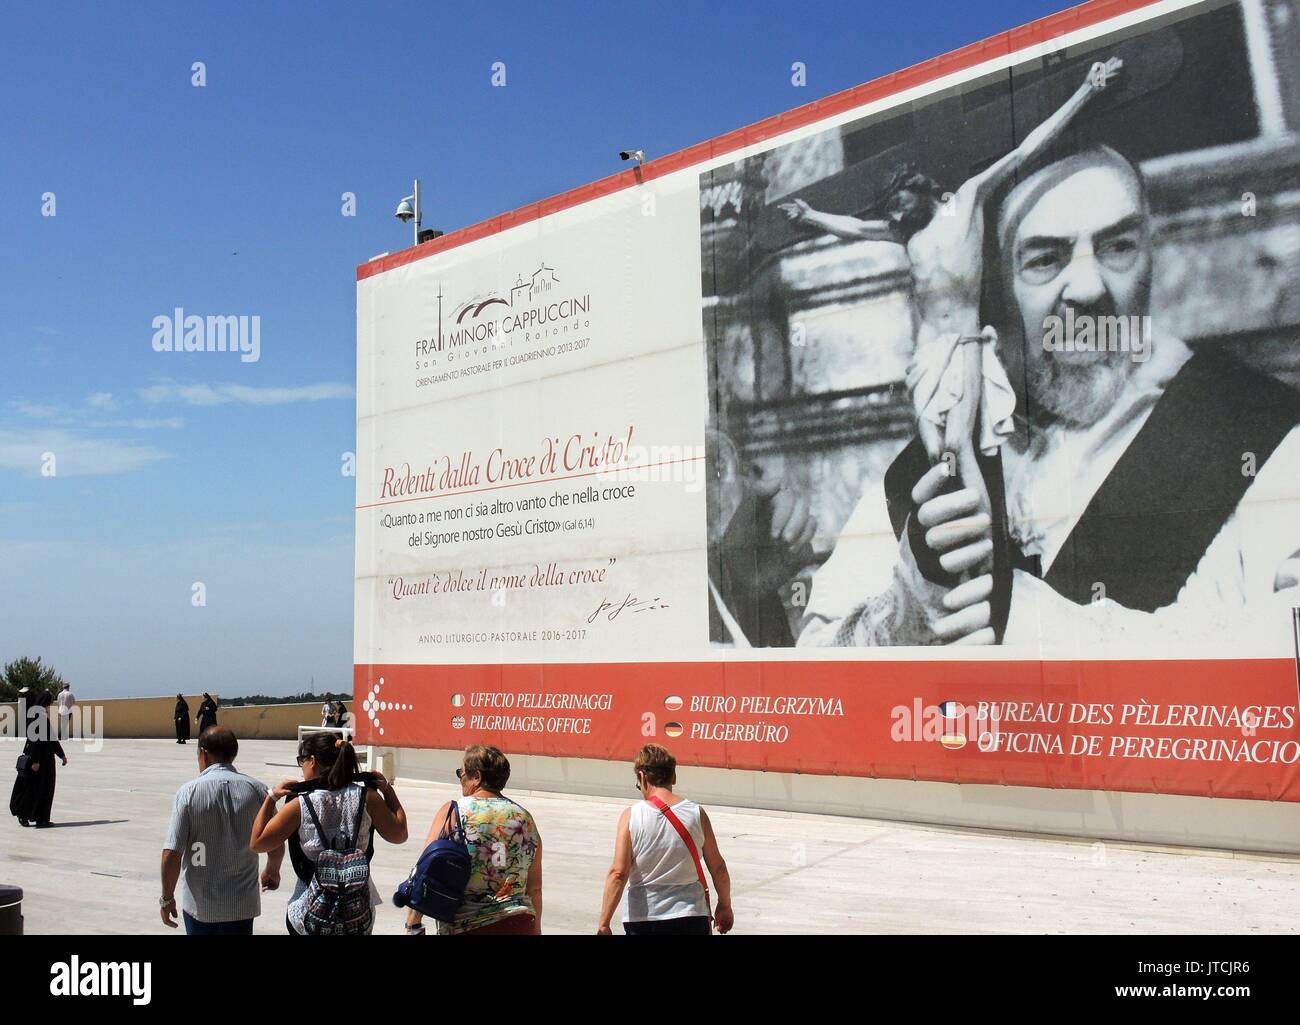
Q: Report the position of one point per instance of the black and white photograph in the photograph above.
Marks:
(735, 469)
(1018, 363)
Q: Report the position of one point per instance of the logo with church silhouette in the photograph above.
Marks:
(524, 292)
(534, 305)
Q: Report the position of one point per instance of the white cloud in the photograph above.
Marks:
(75, 455)
(220, 394)
(35, 411)
(138, 423)
(115, 617)
(83, 418)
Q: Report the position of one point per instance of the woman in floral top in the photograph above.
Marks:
(504, 896)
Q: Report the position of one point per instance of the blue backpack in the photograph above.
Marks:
(436, 886)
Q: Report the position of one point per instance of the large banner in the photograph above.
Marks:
(945, 429)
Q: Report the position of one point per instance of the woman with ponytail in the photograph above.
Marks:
(340, 796)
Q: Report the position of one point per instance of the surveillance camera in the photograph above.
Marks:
(406, 210)
(633, 154)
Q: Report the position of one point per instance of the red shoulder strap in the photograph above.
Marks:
(687, 839)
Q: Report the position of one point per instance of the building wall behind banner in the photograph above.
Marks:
(1164, 819)
(593, 438)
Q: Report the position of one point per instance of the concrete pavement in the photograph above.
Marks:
(97, 872)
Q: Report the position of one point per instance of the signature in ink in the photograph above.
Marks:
(612, 610)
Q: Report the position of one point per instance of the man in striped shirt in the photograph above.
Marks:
(207, 845)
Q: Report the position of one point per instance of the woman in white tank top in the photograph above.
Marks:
(656, 867)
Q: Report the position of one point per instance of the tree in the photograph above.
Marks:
(308, 697)
(26, 672)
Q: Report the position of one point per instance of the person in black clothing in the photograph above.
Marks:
(341, 715)
(207, 712)
(182, 719)
(33, 793)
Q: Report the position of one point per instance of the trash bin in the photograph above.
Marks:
(11, 910)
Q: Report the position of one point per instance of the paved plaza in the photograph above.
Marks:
(97, 871)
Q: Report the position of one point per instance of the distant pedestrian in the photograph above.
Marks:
(504, 896)
(182, 719)
(660, 867)
(205, 847)
(334, 807)
(25, 701)
(327, 714)
(67, 702)
(341, 719)
(32, 797)
(207, 712)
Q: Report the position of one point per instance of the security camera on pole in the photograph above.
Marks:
(409, 210)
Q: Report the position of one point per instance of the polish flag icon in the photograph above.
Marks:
(952, 738)
(672, 702)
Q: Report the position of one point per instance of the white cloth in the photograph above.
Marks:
(337, 811)
(936, 380)
(1230, 603)
(663, 882)
(1049, 487)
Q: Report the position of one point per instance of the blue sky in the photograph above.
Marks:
(177, 468)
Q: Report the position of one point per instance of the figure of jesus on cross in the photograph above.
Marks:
(956, 379)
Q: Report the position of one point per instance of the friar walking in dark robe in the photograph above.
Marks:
(33, 794)
(182, 719)
(207, 712)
